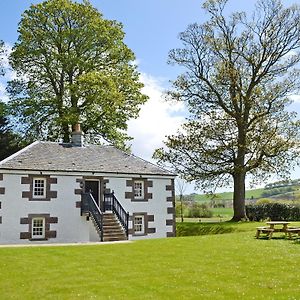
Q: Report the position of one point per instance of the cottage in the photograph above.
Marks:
(63, 193)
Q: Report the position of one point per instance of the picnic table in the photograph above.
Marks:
(273, 227)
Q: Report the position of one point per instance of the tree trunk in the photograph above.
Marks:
(181, 208)
(66, 134)
(239, 197)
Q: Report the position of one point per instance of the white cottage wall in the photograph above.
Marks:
(157, 206)
(70, 226)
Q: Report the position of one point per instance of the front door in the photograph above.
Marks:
(92, 186)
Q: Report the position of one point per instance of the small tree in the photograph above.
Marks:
(239, 72)
(180, 186)
(73, 66)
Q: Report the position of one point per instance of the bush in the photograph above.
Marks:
(197, 210)
(263, 201)
(273, 211)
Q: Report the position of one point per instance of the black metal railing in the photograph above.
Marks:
(90, 207)
(112, 203)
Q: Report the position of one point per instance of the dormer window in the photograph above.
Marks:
(39, 188)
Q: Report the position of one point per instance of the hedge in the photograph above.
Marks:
(273, 211)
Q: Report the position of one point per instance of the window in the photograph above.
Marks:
(38, 228)
(138, 189)
(39, 188)
(139, 225)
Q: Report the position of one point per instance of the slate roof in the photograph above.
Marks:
(49, 156)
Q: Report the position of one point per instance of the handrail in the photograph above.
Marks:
(112, 203)
(89, 205)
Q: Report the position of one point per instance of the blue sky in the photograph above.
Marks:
(151, 29)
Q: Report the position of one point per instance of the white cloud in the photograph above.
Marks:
(157, 119)
(295, 98)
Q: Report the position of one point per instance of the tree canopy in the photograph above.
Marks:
(73, 67)
(2, 51)
(240, 71)
(10, 141)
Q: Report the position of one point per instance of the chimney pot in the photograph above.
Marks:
(77, 136)
(77, 128)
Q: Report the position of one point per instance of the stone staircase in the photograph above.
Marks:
(112, 229)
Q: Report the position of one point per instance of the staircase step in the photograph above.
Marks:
(111, 220)
(113, 233)
(113, 239)
(112, 229)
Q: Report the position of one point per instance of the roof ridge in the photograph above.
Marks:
(54, 156)
(144, 160)
(153, 164)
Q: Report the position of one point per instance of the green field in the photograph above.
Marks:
(255, 193)
(222, 212)
(220, 266)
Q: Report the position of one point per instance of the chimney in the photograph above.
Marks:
(77, 136)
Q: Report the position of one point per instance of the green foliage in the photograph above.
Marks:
(250, 194)
(276, 191)
(198, 210)
(282, 183)
(236, 82)
(263, 201)
(73, 66)
(2, 51)
(10, 142)
(192, 210)
(273, 211)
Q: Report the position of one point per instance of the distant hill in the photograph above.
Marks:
(280, 190)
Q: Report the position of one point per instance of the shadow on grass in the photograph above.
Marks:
(192, 229)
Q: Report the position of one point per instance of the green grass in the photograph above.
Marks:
(222, 211)
(223, 266)
(255, 193)
(197, 228)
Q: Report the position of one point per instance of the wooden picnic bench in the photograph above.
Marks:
(269, 231)
(291, 230)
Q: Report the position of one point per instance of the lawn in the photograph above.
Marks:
(224, 212)
(254, 193)
(223, 266)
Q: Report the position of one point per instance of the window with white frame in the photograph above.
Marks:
(39, 188)
(139, 224)
(38, 228)
(138, 188)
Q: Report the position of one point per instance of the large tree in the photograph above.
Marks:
(73, 66)
(10, 141)
(2, 53)
(239, 72)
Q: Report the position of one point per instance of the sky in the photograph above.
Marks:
(151, 30)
